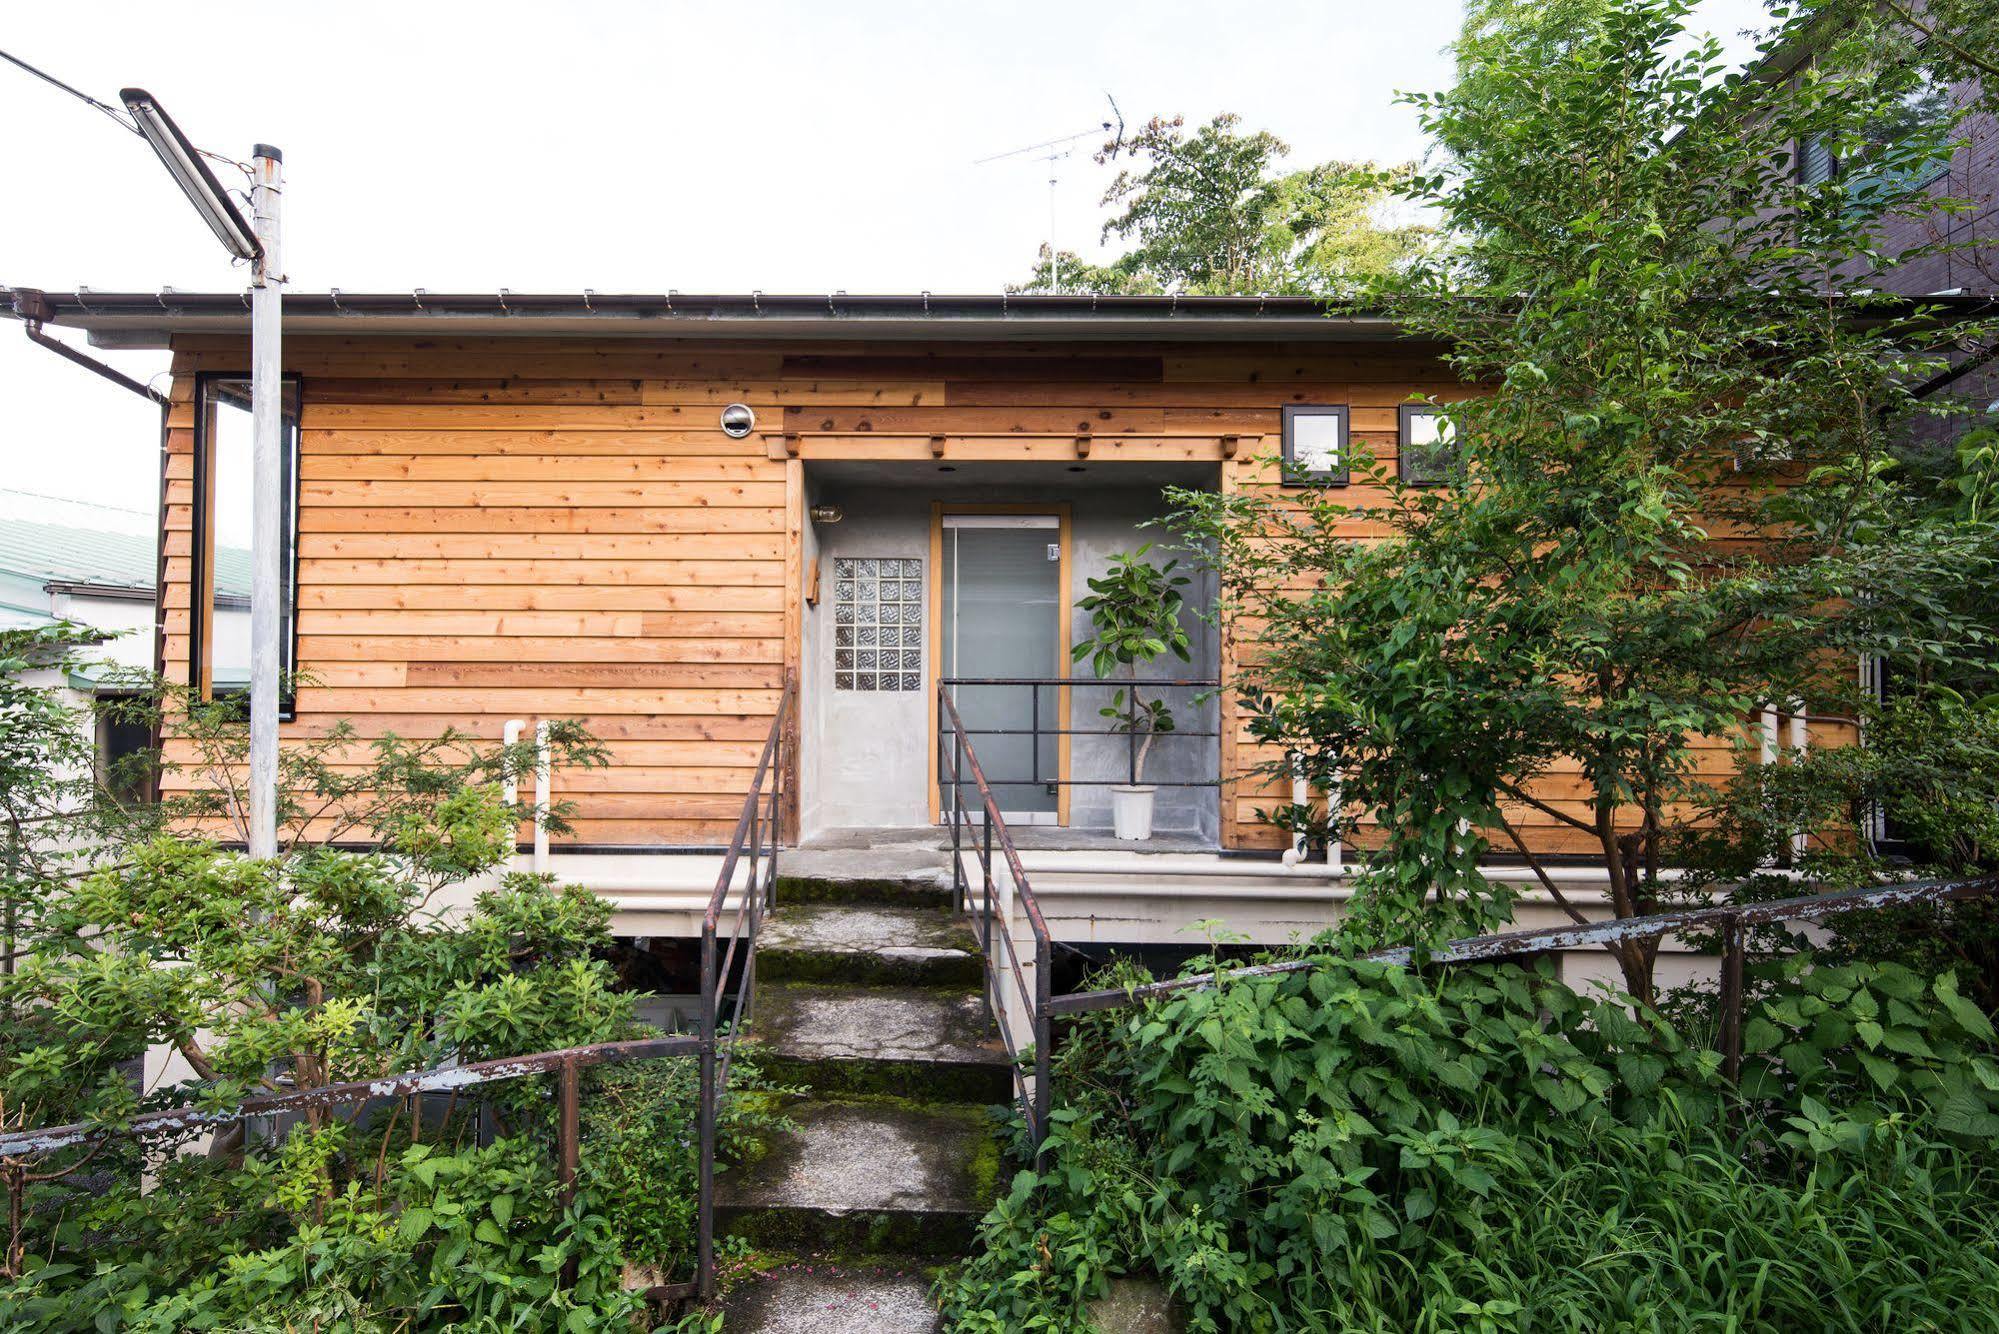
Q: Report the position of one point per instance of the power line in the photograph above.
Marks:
(123, 121)
(82, 97)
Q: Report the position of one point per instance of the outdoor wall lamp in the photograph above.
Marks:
(827, 514)
(197, 182)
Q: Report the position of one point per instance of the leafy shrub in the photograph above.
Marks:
(1356, 1146)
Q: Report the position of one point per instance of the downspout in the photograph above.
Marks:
(32, 308)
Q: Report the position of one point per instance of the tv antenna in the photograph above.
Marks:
(1053, 151)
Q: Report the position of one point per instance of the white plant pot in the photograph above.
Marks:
(1131, 812)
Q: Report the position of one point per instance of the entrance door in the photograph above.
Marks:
(1003, 617)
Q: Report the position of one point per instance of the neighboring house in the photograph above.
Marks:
(98, 566)
(648, 512)
(1944, 240)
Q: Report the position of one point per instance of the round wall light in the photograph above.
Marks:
(738, 421)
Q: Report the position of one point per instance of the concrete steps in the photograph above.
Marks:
(866, 1177)
(821, 1298)
(914, 1042)
(868, 996)
(890, 943)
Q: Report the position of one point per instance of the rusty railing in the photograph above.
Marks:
(753, 849)
(566, 1064)
(993, 919)
(1732, 921)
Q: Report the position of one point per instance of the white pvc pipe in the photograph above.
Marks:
(541, 791)
(1300, 794)
(510, 786)
(1800, 741)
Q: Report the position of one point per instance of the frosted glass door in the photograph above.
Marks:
(1002, 618)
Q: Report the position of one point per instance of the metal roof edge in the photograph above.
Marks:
(149, 318)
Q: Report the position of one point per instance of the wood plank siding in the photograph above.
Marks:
(495, 528)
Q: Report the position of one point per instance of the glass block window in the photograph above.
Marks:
(877, 623)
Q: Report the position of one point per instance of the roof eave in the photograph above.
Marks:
(153, 319)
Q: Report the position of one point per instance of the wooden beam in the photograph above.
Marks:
(936, 446)
(1082, 446)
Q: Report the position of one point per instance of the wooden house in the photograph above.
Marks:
(650, 512)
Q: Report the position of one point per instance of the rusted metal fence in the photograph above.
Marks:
(753, 848)
(993, 918)
(1731, 921)
(566, 1064)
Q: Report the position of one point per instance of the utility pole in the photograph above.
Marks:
(261, 244)
(267, 197)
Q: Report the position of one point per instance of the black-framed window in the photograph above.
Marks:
(127, 758)
(1868, 164)
(219, 602)
(1316, 444)
(1426, 446)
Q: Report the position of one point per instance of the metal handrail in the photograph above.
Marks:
(962, 759)
(1035, 684)
(758, 835)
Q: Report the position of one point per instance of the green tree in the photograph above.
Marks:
(1212, 212)
(1673, 440)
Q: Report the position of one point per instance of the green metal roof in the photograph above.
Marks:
(53, 553)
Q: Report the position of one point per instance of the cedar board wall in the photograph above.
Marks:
(495, 528)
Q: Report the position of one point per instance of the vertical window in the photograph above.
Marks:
(1315, 444)
(125, 755)
(1426, 448)
(219, 628)
(1816, 164)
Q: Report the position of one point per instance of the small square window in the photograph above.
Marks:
(878, 615)
(1427, 452)
(1315, 444)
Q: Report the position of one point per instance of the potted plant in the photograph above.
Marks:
(1134, 610)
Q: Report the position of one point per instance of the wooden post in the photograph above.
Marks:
(17, 1182)
(1731, 999)
(566, 1131)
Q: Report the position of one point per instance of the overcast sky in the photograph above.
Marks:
(634, 147)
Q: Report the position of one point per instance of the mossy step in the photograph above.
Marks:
(866, 1176)
(919, 1042)
(817, 1296)
(933, 891)
(878, 943)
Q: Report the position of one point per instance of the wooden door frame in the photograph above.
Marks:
(1060, 510)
